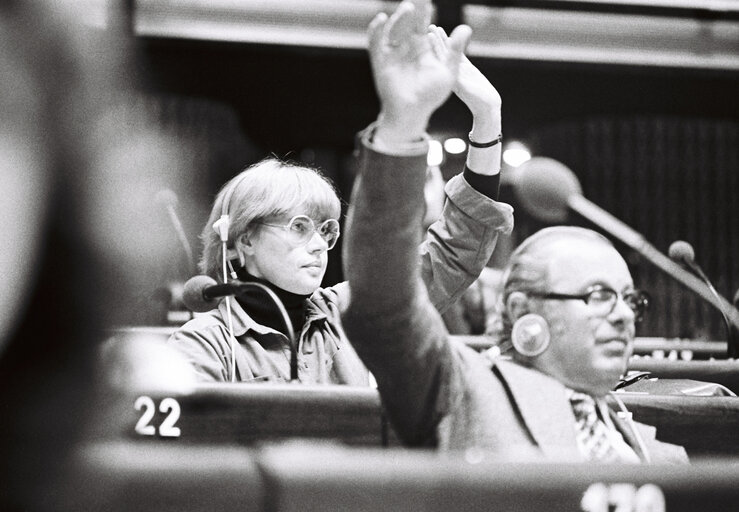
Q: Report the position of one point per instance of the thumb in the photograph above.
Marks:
(459, 39)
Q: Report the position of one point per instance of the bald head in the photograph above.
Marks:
(531, 263)
(551, 275)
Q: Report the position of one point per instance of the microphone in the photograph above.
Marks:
(683, 253)
(168, 199)
(547, 189)
(201, 292)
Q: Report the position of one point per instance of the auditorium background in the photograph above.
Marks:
(640, 103)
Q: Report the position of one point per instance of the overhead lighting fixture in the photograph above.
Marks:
(455, 145)
(516, 153)
(435, 155)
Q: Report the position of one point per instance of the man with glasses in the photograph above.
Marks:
(569, 311)
(569, 302)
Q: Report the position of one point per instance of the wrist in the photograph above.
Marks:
(399, 129)
(388, 141)
(486, 143)
(486, 127)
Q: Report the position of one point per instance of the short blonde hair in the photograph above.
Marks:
(269, 188)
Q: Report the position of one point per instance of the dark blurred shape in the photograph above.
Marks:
(66, 93)
(46, 366)
(544, 187)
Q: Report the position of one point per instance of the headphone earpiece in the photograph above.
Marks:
(221, 226)
(530, 335)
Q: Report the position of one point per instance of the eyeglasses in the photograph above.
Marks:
(301, 229)
(603, 300)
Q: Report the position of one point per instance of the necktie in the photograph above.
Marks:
(592, 433)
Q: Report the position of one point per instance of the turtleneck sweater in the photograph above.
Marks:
(263, 310)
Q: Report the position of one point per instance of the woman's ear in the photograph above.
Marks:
(244, 247)
(517, 305)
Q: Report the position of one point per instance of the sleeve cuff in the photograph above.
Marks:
(488, 185)
(415, 148)
(478, 206)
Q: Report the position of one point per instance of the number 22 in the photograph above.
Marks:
(168, 406)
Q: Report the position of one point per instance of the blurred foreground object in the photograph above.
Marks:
(76, 156)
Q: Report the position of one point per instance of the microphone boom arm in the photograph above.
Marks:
(631, 238)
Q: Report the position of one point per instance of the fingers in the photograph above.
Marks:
(401, 25)
(375, 31)
(439, 32)
(423, 15)
(437, 37)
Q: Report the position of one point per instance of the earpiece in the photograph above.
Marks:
(530, 335)
(221, 226)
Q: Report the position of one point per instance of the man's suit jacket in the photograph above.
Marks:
(546, 411)
(436, 391)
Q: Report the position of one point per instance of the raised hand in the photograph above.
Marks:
(472, 87)
(483, 101)
(411, 78)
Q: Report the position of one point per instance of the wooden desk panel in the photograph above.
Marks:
(338, 479)
(248, 414)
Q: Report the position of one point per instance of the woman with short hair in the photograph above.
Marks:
(274, 224)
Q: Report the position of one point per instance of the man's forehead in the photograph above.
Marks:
(578, 263)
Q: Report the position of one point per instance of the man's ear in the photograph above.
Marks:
(517, 305)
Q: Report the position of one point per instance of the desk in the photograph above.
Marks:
(642, 345)
(699, 349)
(250, 414)
(703, 425)
(720, 371)
(302, 477)
(339, 479)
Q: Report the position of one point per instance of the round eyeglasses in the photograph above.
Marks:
(301, 229)
(602, 300)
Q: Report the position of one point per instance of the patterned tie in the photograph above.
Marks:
(592, 433)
